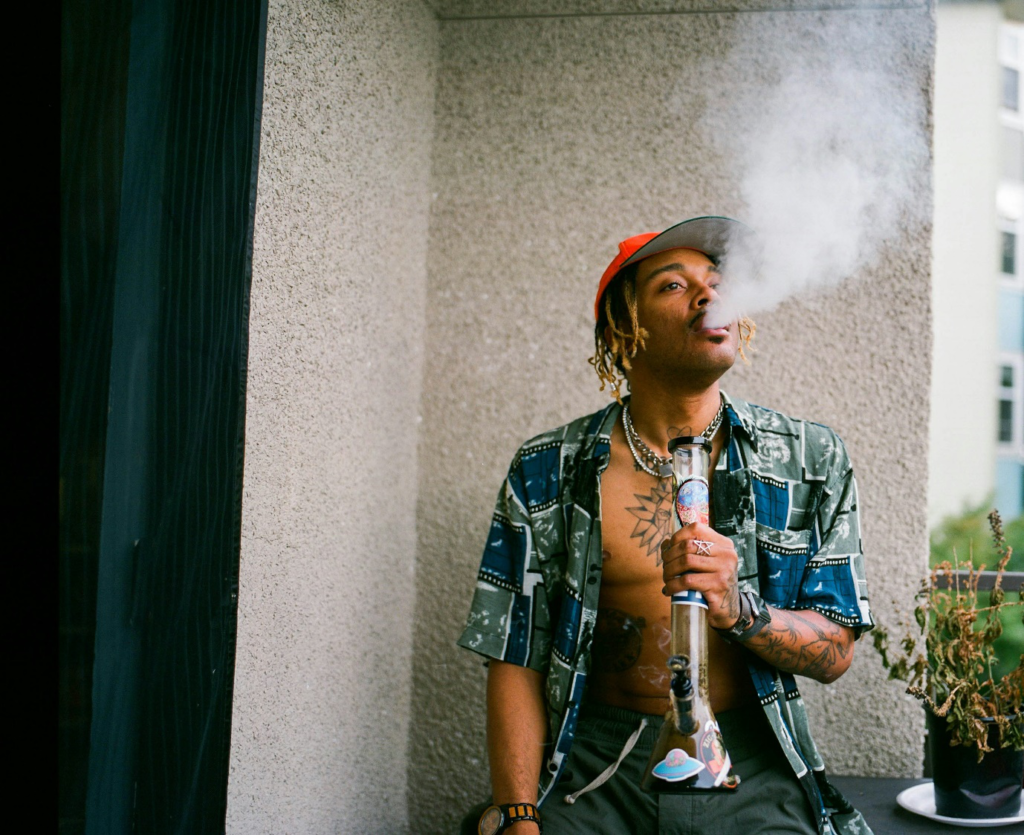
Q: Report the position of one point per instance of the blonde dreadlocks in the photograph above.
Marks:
(611, 359)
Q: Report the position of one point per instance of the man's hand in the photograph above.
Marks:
(698, 558)
(802, 642)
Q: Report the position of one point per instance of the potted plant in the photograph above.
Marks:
(947, 659)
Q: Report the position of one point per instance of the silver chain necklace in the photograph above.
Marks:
(647, 459)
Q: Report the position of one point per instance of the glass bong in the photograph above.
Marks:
(690, 754)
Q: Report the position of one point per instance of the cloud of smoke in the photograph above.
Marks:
(828, 159)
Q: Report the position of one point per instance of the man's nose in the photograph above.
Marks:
(705, 294)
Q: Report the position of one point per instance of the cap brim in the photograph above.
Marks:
(714, 236)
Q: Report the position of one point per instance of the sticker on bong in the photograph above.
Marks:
(692, 501)
(677, 766)
(712, 752)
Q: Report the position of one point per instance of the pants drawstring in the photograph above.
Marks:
(606, 775)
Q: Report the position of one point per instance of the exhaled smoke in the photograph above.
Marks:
(828, 159)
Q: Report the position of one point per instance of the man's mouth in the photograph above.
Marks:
(697, 326)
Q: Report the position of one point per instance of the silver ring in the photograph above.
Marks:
(703, 548)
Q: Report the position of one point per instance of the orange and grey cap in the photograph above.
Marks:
(711, 235)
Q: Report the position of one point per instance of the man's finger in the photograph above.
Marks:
(691, 561)
(703, 582)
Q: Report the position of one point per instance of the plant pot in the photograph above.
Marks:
(966, 788)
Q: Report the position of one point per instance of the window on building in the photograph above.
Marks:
(1011, 236)
(1005, 421)
(1009, 253)
(1011, 88)
(1010, 403)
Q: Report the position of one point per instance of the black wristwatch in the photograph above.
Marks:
(754, 616)
(497, 819)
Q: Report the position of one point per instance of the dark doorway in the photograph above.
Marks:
(160, 108)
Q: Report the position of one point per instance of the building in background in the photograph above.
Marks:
(977, 413)
(1009, 464)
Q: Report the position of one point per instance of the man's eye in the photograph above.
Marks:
(672, 285)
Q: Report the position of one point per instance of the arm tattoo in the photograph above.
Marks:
(618, 639)
(805, 643)
(654, 517)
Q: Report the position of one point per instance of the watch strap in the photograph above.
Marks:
(754, 616)
(516, 812)
(513, 813)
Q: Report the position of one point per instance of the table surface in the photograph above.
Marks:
(875, 797)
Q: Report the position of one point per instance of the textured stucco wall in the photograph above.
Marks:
(321, 706)
(555, 138)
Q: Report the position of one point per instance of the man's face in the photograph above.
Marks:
(673, 291)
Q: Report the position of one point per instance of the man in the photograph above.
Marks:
(572, 601)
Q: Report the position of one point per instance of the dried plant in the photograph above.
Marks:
(947, 661)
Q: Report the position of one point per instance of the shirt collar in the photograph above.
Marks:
(740, 417)
(601, 440)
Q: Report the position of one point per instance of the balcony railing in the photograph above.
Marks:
(1012, 580)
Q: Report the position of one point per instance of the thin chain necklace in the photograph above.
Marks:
(647, 459)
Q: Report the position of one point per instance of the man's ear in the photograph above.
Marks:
(608, 334)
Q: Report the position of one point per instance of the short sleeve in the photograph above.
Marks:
(834, 582)
(509, 618)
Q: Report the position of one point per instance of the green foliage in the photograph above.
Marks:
(1010, 644)
(970, 530)
(948, 657)
(968, 533)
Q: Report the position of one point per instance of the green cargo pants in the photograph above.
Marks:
(769, 799)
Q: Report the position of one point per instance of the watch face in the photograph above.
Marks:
(490, 821)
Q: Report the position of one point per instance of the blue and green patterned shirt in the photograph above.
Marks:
(784, 492)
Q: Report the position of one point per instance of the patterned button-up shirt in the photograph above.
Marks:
(783, 491)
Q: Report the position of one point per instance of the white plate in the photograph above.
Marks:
(920, 800)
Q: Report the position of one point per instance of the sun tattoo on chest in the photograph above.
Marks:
(653, 517)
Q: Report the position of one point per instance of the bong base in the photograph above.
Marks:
(700, 784)
(691, 760)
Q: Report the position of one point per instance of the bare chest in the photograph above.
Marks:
(636, 516)
(632, 636)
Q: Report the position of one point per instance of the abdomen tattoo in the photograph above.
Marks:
(618, 640)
